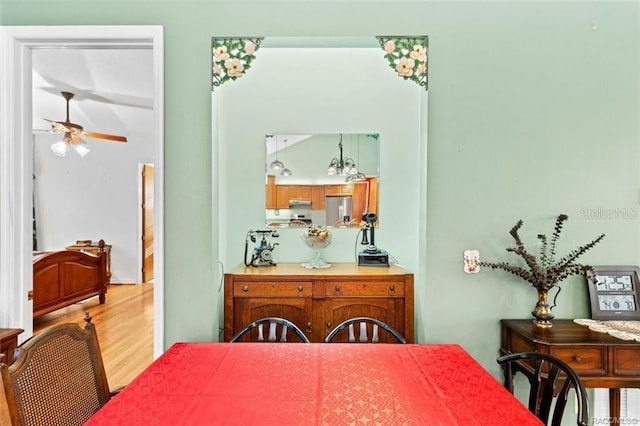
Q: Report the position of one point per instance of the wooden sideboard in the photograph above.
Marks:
(317, 300)
(601, 360)
(94, 248)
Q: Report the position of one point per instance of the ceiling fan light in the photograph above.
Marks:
(82, 149)
(60, 148)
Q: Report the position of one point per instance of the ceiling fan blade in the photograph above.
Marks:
(96, 135)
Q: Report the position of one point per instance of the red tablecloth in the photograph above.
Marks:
(308, 384)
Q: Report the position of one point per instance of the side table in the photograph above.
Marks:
(8, 343)
(601, 360)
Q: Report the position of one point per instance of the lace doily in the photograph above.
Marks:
(625, 330)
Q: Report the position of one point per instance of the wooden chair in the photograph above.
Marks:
(272, 334)
(548, 376)
(376, 325)
(58, 377)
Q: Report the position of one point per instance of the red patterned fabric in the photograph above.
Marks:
(314, 384)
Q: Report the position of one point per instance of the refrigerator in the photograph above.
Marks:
(337, 208)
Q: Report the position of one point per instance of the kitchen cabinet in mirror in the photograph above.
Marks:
(321, 179)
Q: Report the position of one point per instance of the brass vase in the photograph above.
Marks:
(541, 311)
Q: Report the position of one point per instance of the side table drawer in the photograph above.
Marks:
(584, 360)
(626, 361)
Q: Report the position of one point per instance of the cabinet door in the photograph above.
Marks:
(360, 197)
(338, 190)
(271, 192)
(300, 192)
(282, 196)
(389, 310)
(373, 195)
(296, 310)
(317, 197)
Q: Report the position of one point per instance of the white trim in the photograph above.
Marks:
(16, 153)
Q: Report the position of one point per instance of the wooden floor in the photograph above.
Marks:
(124, 325)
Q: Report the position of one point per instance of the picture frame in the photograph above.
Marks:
(614, 292)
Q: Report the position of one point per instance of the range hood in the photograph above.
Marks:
(299, 204)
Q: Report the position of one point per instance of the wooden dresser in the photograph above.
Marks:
(317, 300)
(601, 360)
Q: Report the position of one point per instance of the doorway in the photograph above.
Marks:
(16, 155)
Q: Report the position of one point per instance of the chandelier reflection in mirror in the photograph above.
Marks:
(342, 166)
(287, 171)
(276, 164)
(358, 176)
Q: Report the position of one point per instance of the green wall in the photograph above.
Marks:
(533, 111)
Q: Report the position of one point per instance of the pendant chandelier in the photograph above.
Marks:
(286, 171)
(342, 166)
(356, 176)
(276, 164)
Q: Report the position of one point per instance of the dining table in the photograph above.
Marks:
(314, 384)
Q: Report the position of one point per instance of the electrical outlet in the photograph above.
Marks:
(471, 260)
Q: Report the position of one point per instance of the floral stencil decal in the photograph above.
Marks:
(232, 58)
(407, 56)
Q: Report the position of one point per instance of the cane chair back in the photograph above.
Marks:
(550, 379)
(360, 328)
(58, 377)
(267, 331)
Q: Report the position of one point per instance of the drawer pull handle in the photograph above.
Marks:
(245, 288)
(577, 358)
(392, 288)
(337, 288)
(300, 288)
(308, 327)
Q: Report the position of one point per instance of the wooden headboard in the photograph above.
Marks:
(62, 278)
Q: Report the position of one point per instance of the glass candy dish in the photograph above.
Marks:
(317, 239)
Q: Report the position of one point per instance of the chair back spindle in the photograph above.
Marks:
(361, 325)
(272, 332)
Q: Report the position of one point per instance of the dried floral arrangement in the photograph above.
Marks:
(545, 272)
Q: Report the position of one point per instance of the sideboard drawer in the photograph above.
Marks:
(272, 289)
(585, 360)
(364, 288)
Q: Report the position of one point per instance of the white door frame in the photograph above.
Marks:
(16, 156)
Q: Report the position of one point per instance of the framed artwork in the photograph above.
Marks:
(613, 292)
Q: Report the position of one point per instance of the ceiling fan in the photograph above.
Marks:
(73, 134)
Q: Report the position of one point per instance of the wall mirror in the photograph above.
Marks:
(318, 88)
(321, 179)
